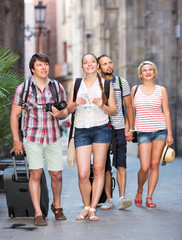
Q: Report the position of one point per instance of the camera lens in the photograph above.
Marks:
(61, 105)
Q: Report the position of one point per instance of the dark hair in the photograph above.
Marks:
(104, 99)
(101, 56)
(38, 56)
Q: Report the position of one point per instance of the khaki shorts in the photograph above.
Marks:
(38, 153)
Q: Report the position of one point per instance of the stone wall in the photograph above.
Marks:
(11, 18)
(151, 34)
(131, 31)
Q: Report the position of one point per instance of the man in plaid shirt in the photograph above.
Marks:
(41, 135)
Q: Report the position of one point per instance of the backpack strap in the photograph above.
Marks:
(26, 88)
(75, 91)
(34, 92)
(136, 90)
(55, 89)
(107, 88)
(76, 87)
(119, 80)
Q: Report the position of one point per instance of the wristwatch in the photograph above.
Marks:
(131, 130)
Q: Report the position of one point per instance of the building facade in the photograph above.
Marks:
(131, 31)
(54, 41)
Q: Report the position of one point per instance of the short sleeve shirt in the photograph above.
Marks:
(118, 121)
(39, 124)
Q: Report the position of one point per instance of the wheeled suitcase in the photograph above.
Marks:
(4, 163)
(103, 196)
(1, 182)
(18, 198)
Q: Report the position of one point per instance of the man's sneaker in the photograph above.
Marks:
(107, 205)
(124, 203)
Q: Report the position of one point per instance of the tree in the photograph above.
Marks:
(9, 80)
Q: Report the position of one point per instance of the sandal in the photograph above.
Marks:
(40, 221)
(150, 204)
(91, 215)
(58, 212)
(138, 203)
(84, 213)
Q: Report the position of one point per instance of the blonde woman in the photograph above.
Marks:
(92, 132)
(153, 126)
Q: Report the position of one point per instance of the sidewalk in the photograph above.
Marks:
(137, 223)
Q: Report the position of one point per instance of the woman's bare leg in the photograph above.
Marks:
(145, 159)
(83, 164)
(157, 147)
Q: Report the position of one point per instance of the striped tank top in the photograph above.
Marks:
(149, 114)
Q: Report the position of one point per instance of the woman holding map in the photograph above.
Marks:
(92, 132)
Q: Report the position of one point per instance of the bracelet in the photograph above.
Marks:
(131, 130)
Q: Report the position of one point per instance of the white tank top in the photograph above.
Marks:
(149, 114)
(89, 114)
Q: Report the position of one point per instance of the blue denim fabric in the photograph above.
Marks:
(146, 137)
(87, 136)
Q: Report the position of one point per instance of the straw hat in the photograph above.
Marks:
(167, 156)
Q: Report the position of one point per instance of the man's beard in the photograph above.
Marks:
(108, 73)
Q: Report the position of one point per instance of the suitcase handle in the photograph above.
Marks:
(22, 177)
(13, 153)
(113, 180)
(113, 183)
(14, 165)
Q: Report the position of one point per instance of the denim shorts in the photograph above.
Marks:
(87, 136)
(146, 137)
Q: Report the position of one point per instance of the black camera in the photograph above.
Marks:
(59, 105)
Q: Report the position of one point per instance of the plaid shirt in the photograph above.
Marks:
(39, 124)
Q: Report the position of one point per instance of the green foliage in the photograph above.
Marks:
(9, 80)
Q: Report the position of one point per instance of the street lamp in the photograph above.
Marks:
(40, 13)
